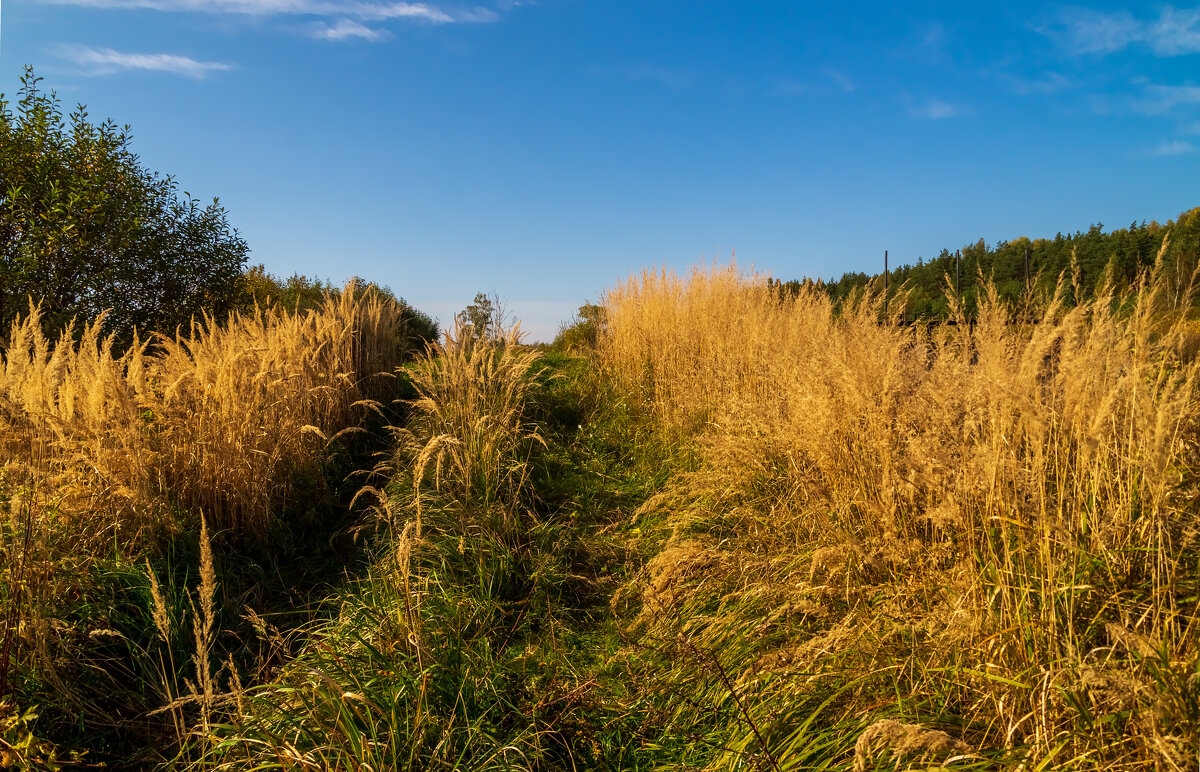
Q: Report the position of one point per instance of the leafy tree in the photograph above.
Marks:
(84, 228)
(419, 327)
(295, 293)
(484, 318)
(584, 331)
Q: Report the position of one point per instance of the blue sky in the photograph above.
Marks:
(543, 150)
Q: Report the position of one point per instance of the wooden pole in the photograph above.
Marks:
(958, 276)
(885, 285)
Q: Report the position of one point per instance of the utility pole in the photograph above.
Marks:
(1027, 269)
(885, 285)
(958, 276)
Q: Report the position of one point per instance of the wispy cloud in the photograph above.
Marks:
(347, 29)
(1082, 31)
(361, 10)
(841, 80)
(1169, 148)
(1044, 84)
(1175, 32)
(1161, 99)
(927, 43)
(670, 77)
(105, 61)
(791, 88)
(934, 36)
(478, 14)
(936, 110)
(831, 81)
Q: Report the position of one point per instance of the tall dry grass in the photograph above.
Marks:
(219, 420)
(470, 424)
(104, 454)
(998, 521)
(246, 406)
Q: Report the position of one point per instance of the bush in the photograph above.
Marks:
(84, 228)
(583, 331)
(299, 293)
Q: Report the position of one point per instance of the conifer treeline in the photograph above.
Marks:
(1089, 257)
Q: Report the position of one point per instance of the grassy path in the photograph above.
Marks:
(484, 637)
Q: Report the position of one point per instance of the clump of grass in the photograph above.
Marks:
(222, 419)
(954, 518)
(470, 422)
(106, 455)
(891, 738)
(244, 408)
(71, 421)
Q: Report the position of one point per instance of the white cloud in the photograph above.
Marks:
(836, 79)
(345, 29)
(104, 61)
(1175, 33)
(935, 110)
(1083, 31)
(792, 88)
(1168, 148)
(670, 77)
(1046, 83)
(353, 9)
(1161, 99)
(478, 14)
(382, 11)
(839, 79)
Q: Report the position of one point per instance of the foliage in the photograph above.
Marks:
(295, 293)
(106, 457)
(84, 228)
(583, 332)
(484, 318)
(220, 420)
(1086, 260)
(422, 665)
(299, 293)
(19, 747)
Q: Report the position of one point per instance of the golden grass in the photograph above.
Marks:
(105, 454)
(988, 515)
(469, 439)
(220, 421)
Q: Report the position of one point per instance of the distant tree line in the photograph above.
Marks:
(1085, 260)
